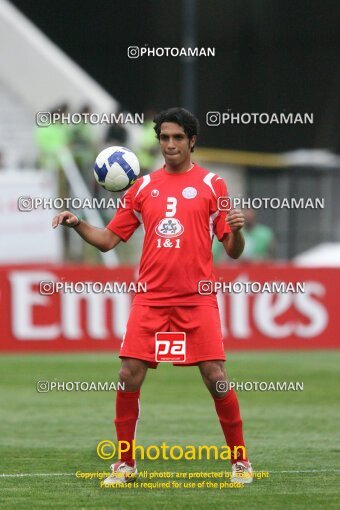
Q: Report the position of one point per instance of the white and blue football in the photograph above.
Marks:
(116, 168)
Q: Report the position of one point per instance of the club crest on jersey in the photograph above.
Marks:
(189, 192)
(169, 227)
(154, 193)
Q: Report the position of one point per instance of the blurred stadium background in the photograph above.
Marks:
(272, 57)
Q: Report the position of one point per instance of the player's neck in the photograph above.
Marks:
(179, 169)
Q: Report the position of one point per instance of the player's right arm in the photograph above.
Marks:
(102, 238)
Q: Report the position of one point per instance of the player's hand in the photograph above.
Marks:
(66, 218)
(235, 220)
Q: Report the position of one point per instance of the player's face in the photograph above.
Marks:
(175, 144)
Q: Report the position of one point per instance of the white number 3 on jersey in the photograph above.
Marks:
(171, 207)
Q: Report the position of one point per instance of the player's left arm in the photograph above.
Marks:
(233, 241)
(227, 226)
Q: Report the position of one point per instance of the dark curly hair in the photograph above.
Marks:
(180, 116)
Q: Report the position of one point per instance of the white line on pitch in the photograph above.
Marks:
(35, 474)
(4, 475)
(308, 471)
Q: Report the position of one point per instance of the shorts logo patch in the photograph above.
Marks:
(189, 192)
(170, 346)
(169, 227)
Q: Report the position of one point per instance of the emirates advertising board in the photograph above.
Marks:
(261, 307)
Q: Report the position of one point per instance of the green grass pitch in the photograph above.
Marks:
(293, 435)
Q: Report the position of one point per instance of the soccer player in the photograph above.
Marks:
(178, 208)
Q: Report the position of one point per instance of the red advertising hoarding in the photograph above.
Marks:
(95, 321)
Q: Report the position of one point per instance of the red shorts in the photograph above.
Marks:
(200, 323)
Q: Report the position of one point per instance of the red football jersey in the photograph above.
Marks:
(180, 216)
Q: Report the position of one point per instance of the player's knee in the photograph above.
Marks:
(130, 375)
(213, 376)
(126, 374)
